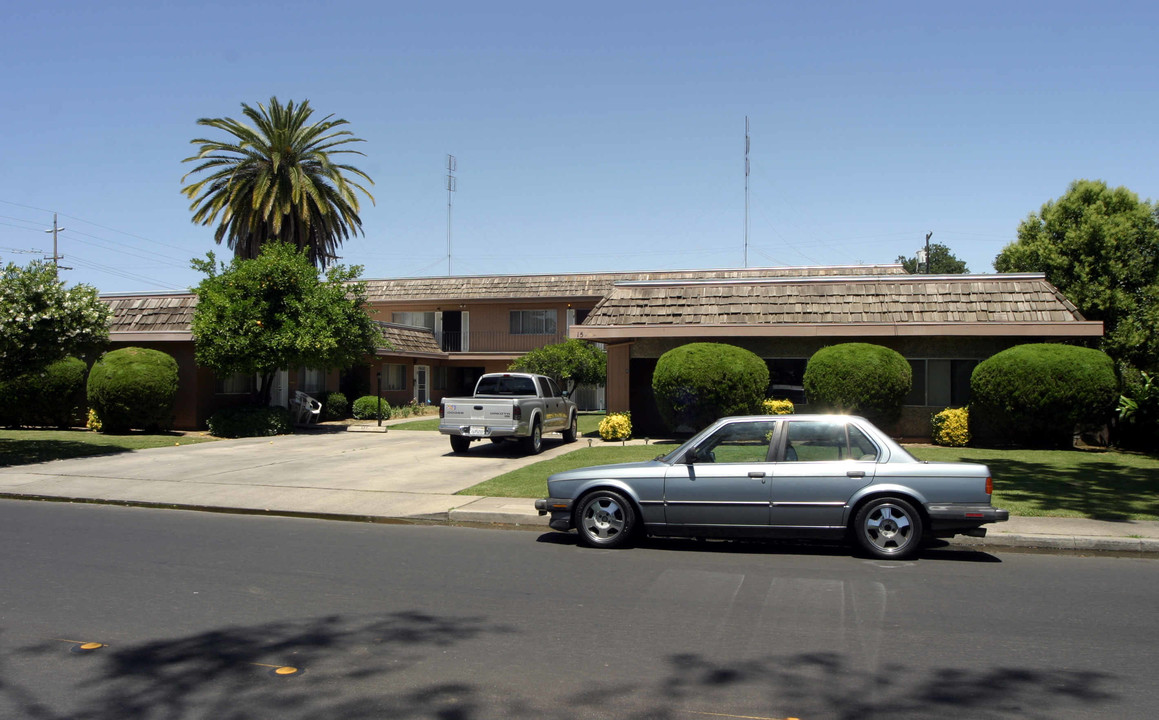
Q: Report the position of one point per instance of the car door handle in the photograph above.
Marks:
(757, 474)
(856, 473)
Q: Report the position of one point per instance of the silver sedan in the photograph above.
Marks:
(801, 476)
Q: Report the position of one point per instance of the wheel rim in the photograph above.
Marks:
(603, 518)
(536, 437)
(889, 528)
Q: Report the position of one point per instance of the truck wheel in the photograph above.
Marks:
(460, 444)
(572, 431)
(533, 443)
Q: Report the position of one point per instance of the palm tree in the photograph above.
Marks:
(277, 181)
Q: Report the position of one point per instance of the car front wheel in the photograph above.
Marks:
(888, 528)
(605, 519)
(572, 431)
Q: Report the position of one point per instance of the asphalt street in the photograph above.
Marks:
(202, 615)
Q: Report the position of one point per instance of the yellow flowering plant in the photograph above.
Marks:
(951, 427)
(616, 426)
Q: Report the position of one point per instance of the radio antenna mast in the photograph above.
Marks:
(452, 165)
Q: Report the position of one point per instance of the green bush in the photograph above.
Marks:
(335, 406)
(859, 378)
(1138, 426)
(54, 397)
(698, 383)
(366, 408)
(133, 388)
(1035, 395)
(951, 427)
(250, 421)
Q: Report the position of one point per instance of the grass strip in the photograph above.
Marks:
(22, 447)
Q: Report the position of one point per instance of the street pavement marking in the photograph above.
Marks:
(739, 717)
(281, 670)
(81, 646)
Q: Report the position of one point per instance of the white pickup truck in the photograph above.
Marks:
(509, 407)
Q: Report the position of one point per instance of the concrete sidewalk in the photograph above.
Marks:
(401, 475)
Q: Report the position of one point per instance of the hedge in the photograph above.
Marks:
(859, 378)
(133, 388)
(698, 383)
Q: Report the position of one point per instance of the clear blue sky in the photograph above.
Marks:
(589, 136)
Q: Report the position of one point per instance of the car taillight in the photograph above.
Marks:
(516, 413)
(442, 410)
(989, 486)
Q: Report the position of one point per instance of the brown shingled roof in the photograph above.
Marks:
(409, 339)
(894, 300)
(167, 313)
(579, 285)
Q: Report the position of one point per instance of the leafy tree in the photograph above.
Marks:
(43, 322)
(277, 311)
(570, 363)
(942, 262)
(1100, 247)
(278, 182)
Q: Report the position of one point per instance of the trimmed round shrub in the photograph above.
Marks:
(54, 396)
(366, 408)
(951, 427)
(616, 426)
(250, 421)
(858, 378)
(1035, 395)
(133, 388)
(335, 406)
(698, 383)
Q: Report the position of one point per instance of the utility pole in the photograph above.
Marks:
(56, 256)
(452, 165)
(928, 235)
(746, 191)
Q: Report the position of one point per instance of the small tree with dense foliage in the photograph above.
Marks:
(859, 378)
(570, 363)
(699, 383)
(54, 396)
(275, 311)
(41, 321)
(1037, 394)
(133, 388)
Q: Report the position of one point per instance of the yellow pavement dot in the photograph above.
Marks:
(286, 670)
(91, 646)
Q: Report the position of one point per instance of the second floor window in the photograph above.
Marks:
(417, 319)
(533, 322)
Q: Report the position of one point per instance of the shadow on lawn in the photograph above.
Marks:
(25, 452)
(1092, 486)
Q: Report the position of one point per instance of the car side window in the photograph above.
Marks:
(816, 441)
(739, 442)
(554, 388)
(860, 446)
(544, 388)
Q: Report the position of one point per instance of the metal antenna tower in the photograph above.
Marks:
(56, 256)
(746, 191)
(452, 165)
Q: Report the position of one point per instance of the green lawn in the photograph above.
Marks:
(20, 447)
(1049, 483)
(424, 424)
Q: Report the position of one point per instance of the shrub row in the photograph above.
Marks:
(249, 421)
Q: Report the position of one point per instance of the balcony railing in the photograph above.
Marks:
(495, 341)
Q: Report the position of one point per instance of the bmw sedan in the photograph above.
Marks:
(778, 476)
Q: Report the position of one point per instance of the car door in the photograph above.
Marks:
(821, 464)
(725, 480)
(551, 403)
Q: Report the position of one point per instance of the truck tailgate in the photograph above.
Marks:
(478, 412)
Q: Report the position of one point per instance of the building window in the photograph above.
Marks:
(416, 319)
(941, 383)
(239, 384)
(439, 377)
(394, 377)
(533, 322)
(787, 379)
(311, 380)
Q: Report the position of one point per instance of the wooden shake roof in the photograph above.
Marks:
(882, 305)
(578, 285)
(408, 340)
(152, 315)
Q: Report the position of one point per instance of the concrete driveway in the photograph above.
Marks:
(395, 474)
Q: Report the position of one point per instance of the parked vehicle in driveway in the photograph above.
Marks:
(802, 476)
(509, 407)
